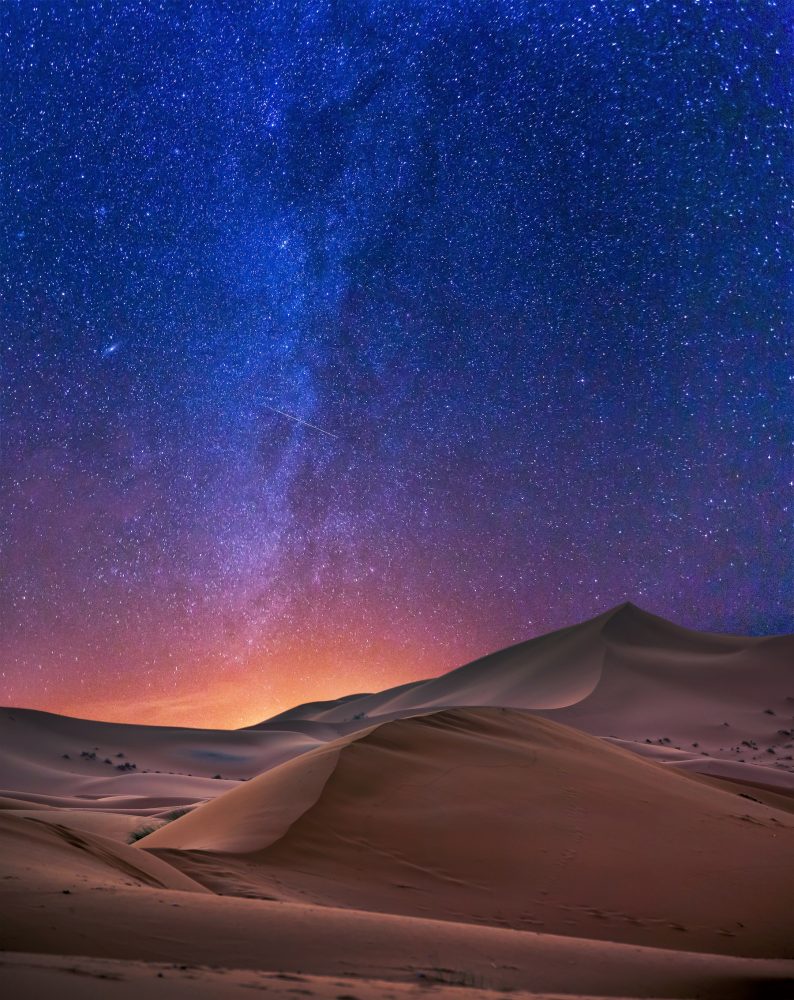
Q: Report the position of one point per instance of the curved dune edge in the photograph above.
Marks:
(259, 811)
(548, 672)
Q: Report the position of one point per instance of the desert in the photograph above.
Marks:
(604, 811)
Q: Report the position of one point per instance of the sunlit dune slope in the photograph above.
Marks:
(502, 817)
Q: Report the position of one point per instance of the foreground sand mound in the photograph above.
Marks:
(504, 818)
(548, 964)
(46, 854)
(107, 921)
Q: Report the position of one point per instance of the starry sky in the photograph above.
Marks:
(343, 342)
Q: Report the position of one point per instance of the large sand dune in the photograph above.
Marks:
(603, 811)
(499, 817)
(629, 675)
(567, 667)
(59, 757)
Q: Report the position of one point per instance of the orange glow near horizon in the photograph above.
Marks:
(249, 696)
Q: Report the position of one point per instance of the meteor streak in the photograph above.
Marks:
(297, 420)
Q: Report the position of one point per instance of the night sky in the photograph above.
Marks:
(345, 342)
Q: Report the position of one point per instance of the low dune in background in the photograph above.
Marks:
(603, 811)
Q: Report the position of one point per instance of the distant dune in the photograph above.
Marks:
(607, 810)
(701, 701)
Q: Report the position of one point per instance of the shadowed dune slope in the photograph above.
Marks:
(500, 817)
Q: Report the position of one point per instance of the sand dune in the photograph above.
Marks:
(551, 671)
(567, 667)
(500, 817)
(109, 979)
(41, 854)
(700, 699)
(718, 694)
(626, 674)
(44, 739)
(52, 760)
(644, 972)
(603, 811)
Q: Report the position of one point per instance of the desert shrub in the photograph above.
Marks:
(140, 833)
(175, 814)
(144, 831)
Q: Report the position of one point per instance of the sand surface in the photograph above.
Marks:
(97, 979)
(499, 817)
(604, 811)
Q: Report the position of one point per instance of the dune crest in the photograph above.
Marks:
(564, 668)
